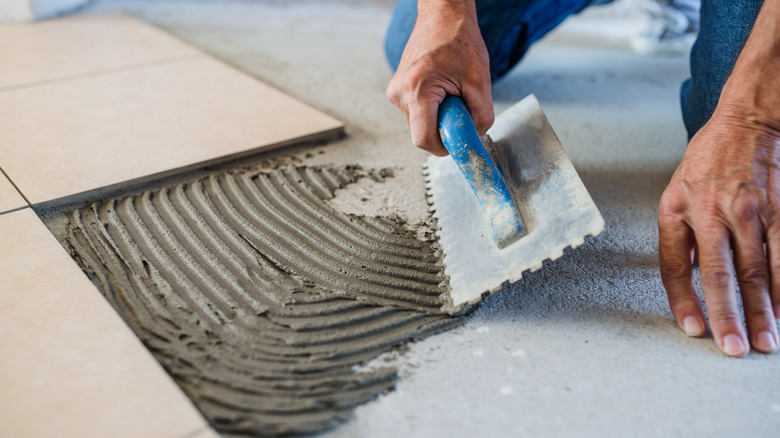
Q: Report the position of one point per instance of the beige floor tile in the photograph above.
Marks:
(81, 44)
(68, 137)
(9, 198)
(69, 366)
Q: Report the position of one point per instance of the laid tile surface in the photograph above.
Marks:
(81, 44)
(68, 137)
(9, 197)
(69, 366)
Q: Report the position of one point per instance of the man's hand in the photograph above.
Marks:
(723, 202)
(444, 55)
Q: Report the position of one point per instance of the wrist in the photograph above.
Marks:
(752, 91)
(747, 110)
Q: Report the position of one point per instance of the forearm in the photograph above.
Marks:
(454, 6)
(752, 92)
(439, 17)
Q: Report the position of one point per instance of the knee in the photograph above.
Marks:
(399, 31)
(697, 106)
(724, 28)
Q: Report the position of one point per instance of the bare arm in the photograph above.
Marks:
(444, 55)
(724, 200)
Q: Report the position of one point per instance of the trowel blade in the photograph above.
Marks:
(556, 207)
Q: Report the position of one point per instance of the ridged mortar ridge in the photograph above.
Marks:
(258, 297)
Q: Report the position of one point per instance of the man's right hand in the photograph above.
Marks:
(444, 55)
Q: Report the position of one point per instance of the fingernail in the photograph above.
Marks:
(766, 342)
(692, 326)
(733, 345)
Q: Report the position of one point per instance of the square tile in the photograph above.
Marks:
(69, 137)
(69, 366)
(81, 44)
(10, 199)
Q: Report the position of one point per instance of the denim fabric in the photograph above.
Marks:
(509, 27)
(724, 28)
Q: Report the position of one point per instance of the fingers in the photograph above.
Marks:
(421, 112)
(480, 104)
(423, 124)
(719, 289)
(773, 256)
(750, 265)
(753, 276)
(675, 246)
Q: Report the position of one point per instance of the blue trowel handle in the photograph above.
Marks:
(460, 137)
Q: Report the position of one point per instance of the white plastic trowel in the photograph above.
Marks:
(504, 204)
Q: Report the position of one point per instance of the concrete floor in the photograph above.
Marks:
(587, 345)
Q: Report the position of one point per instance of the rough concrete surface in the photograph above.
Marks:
(584, 347)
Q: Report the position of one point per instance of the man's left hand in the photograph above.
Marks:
(723, 202)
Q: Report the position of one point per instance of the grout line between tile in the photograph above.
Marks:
(13, 210)
(107, 71)
(29, 204)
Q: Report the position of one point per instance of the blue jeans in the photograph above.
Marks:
(509, 27)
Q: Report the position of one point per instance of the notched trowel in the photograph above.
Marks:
(504, 204)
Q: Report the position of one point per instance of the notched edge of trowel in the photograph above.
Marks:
(465, 307)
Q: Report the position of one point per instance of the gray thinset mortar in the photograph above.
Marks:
(258, 297)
